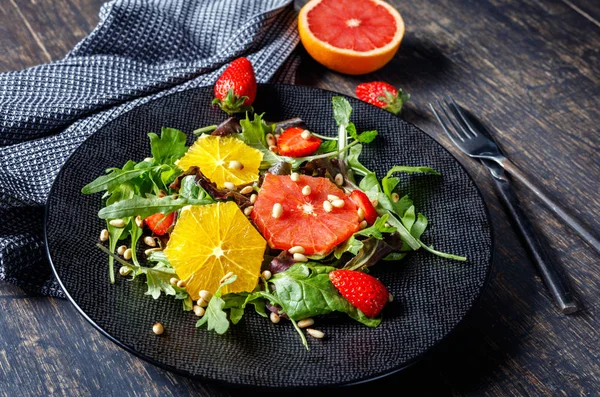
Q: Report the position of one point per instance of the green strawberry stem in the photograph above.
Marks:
(393, 102)
(233, 103)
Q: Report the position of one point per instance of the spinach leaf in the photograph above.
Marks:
(169, 147)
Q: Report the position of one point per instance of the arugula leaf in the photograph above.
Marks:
(341, 110)
(169, 147)
(145, 207)
(110, 181)
(255, 131)
(364, 137)
(353, 245)
(327, 147)
(374, 250)
(215, 317)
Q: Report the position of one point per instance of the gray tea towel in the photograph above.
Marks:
(141, 50)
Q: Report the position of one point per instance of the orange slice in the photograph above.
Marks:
(351, 36)
(220, 158)
(210, 241)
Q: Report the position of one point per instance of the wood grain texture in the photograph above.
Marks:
(530, 69)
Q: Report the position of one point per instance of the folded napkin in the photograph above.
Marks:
(141, 50)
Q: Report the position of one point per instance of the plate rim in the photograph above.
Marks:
(357, 381)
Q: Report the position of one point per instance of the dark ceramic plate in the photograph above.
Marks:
(432, 295)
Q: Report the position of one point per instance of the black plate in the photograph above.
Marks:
(432, 295)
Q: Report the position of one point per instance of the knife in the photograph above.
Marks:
(553, 275)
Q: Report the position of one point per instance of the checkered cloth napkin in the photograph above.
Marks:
(141, 50)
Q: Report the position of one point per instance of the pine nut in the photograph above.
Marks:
(375, 202)
(332, 197)
(235, 165)
(363, 224)
(390, 297)
(139, 221)
(229, 185)
(266, 274)
(150, 241)
(274, 318)
(202, 303)
(304, 323)
(181, 284)
(273, 148)
(295, 177)
(339, 179)
(206, 295)
(248, 210)
(117, 223)
(198, 310)
(225, 277)
(253, 198)
(306, 134)
(327, 206)
(361, 213)
(315, 333)
(395, 197)
(387, 225)
(246, 190)
(124, 271)
(121, 249)
(151, 250)
(158, 329)
(300, 258)
(296, 250)
(271, 141)
(127, 254)
(148, 159)
(104, 235)
(306, 190)
(277, 211)
(173, 281)
(338, 203)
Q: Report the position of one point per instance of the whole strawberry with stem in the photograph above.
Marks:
(235, 90)
(363, 291)
(383, 95)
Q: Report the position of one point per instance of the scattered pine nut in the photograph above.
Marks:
(198, 310)
(206, 295)
(271, 141)
(363, 224)
(266, 274)
(315, 333)
(338, 203)
(139, 221)
(395, 197)
(300, 258)
(173, 281)
(375, 202)
(127, 254)
(151, 250)
(273, 148)
(150, 241)
(117, 223)
(332, 197)
(390, 297)
(306, 134)
(148, 159)
(229, 185)
(225, 277)
(246, 190)
(274, 318)
(304, 323)
(248, 210)
(306, 190)
(277, 210)
(181, 284)
(158, 329)
(296, 250)
(339, 179)
(202, 303)
(361, 213)
(295, 177)
(327, 206)
(104, 235)
(253, 198)
(387, 225)
(125, 271)
(235, 165)
(121, 249)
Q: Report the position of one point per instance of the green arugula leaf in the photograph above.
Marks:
(327, 147)
(215, 317)
(144, 207)
(341, 110)
(353, 245)
(169, 147)
(364, 137)
(110, 181)
(255, 131)
(409, 218)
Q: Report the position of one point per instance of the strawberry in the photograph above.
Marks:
(160, 223)
(362, 201)
(364, 292)
(235, 89)
(382, 95)
(293, 143)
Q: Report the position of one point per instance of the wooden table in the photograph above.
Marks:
(530, 69)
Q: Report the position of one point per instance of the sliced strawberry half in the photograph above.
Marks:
(364, 292)
(160, 223)
(294, 142)
(362, 201)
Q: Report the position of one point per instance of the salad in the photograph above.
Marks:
(265, 214)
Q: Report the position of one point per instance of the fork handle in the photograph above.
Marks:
(582, 231)
(553, 276)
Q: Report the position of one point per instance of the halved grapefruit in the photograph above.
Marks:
(351, 36)
(304, 221)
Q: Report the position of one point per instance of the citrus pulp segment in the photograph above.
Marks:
(304, 221)
(210, 241)
(213, 154)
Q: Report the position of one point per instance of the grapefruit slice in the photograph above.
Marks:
(223, 159)
(351, 36)
(304, 221)
(208, 242)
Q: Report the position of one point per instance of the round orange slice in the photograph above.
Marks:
(208, 242)
(351, 36)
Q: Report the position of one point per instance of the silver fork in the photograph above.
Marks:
(480, 146)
